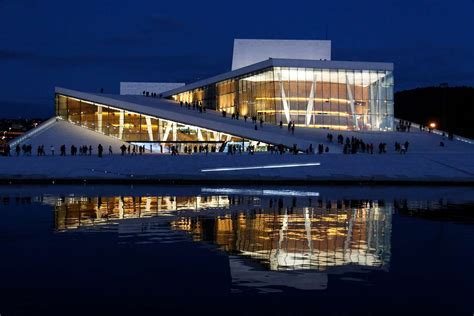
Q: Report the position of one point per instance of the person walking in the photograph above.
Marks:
(52, 150)
(110, 150)
(100, 150)
(403, 149)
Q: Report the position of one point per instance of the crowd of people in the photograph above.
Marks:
(148, 94)
(403, 126)
(27, 149)
(401, 148)
(351, 145)
(193, 105)
(356, 145)
(130, 149)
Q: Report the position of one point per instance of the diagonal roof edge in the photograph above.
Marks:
(209, 121)
(277, 62)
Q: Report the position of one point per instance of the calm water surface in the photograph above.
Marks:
(236, 250)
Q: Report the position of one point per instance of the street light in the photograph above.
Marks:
(432, 124)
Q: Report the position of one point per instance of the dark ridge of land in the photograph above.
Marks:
(451, 108)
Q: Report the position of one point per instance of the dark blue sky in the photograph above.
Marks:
(90, 44)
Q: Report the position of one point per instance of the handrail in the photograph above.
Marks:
(439, 132)
(46, 124)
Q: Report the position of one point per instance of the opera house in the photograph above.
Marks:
(275, 82)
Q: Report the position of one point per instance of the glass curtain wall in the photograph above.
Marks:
(334, 98)
(139, 128)
(321, 98)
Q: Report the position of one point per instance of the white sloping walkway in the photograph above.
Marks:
(170, 110)
(61, 132)
(420, 142)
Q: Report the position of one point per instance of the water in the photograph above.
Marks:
(236, 250)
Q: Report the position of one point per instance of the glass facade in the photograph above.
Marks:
(323, 98)
(139, 128)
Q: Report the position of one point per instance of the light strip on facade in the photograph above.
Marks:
(293, 165)
(335, 100)
(304, 112)
(310, 105)
(286, 103)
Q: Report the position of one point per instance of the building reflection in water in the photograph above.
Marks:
(331, 233)
(77, 211)
(282, 233)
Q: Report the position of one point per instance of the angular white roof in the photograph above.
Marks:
(293, 63)
(212, 120)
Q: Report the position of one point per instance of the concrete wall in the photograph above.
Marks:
(251, 51)
(137, 88)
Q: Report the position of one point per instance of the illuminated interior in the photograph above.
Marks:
(323, 98)
(139, 128)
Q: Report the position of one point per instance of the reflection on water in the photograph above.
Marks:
(323, 243)
(82, 211)
(282, 233)
(331, 233)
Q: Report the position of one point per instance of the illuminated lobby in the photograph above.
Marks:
(321, 94)
(139, 128)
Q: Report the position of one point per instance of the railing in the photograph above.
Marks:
(437, 132)
(40, 128)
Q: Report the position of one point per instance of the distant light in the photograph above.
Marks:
(432, 124)
(263, 167)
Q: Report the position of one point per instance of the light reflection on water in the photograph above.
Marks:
(282, 233)
(240, 241)
(300, 238)
(295, 230)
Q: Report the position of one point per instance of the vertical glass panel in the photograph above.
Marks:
(88, 115)
(132, 127)
(61, 106)
(334, 111)
(326, 106)
(302, 96)
(277, 95)
(74, 110)
(113, 122)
